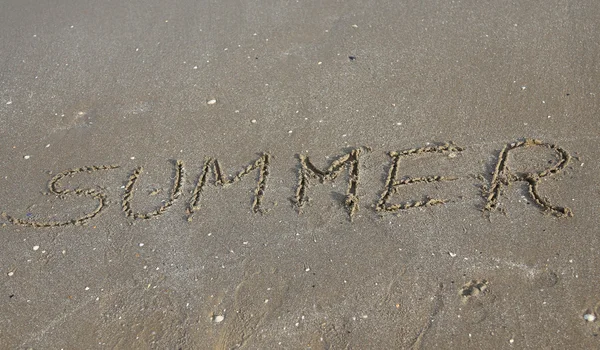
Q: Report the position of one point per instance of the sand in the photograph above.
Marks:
(299, 175)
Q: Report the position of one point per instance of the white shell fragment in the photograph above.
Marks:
(589, 317)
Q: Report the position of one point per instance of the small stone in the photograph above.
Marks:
(589, 317)
(212, 102)
(253, 121)
(26, 157)
(10, 274)
(218, 318)
(36, 247)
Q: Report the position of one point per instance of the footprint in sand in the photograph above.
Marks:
(476, 295)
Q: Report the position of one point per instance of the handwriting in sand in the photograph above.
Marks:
(212, 174)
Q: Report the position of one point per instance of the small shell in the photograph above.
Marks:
(590, 317)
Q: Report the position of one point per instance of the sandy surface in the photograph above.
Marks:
(177, 153)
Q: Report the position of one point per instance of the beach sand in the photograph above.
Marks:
(407, 174)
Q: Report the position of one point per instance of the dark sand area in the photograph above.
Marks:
(299, 175)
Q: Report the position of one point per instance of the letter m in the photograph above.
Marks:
(211, 165)
(308, 170)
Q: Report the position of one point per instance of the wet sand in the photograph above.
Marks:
(302, 175)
